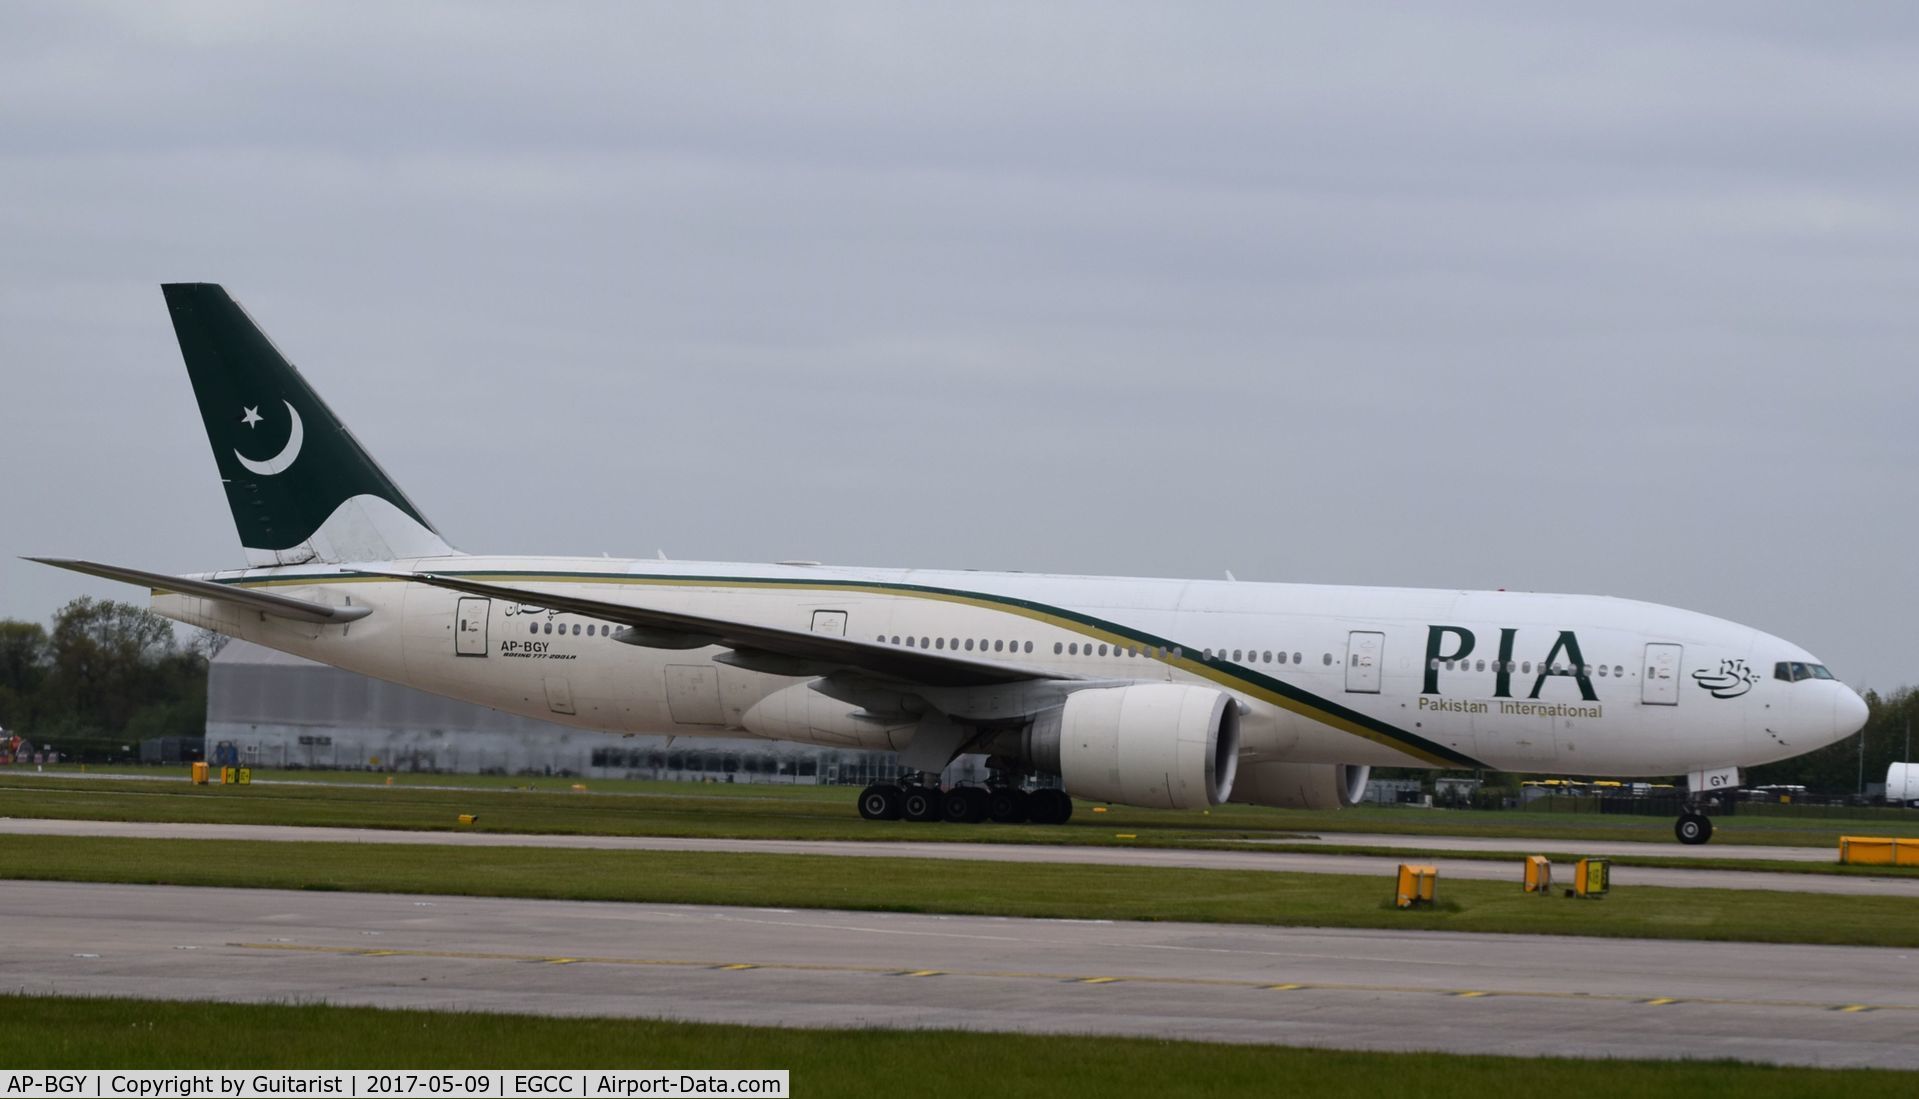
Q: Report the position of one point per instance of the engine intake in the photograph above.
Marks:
(1158, 745)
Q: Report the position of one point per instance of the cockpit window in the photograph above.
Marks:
(1792, 671)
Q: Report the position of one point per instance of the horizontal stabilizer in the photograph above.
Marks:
(278, 606)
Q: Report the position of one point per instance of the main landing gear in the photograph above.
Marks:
(1693, 827)
(1003, 804)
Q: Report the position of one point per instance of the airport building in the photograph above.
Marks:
(269, 709)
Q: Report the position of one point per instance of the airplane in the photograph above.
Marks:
(1164, 693)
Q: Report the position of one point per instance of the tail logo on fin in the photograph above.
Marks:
(280, 462)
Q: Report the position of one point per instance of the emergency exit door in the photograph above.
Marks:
(1660, 687)
(469, 627)
(1364, 652)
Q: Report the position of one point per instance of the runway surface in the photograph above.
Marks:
(1479, 869)
(1526, 995)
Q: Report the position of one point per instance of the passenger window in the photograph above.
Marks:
(1326, 659)
(999, 646)
(1618, 670)
(1058, 648)
(1482, 666)
(1297, 658)
(1102, 650)
(939, 642)
(1029, 646)
(896, 639)
(549, 627)
(536, 627)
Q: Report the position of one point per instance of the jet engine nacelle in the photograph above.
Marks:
(1280, 785)
(1158, 745)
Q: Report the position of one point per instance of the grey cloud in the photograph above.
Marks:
(1484, 295)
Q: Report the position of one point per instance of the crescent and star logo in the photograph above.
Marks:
(281, 461)
(1732, 679)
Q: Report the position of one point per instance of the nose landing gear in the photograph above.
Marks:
(1693, 827)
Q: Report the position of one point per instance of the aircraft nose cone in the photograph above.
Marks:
(1848, 713)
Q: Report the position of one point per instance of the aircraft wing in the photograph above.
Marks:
(270, 603)
(792, 652)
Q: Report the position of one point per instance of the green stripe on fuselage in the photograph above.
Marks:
(1237, 677)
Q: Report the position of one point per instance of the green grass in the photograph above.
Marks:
(963, 886)
(71, 1033)
(624, 807)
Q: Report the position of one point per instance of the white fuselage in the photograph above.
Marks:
(1381, 676)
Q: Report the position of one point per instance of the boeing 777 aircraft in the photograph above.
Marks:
(1164, 693)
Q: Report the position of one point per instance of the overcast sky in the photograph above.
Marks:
(1623, 300)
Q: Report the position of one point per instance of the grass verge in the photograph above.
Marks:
(72, 1033)
(1054, 890)
(742, 811)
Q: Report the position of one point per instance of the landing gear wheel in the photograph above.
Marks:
(1006, 805)
(1048, 807)
(963, 805)
(880, 802)
(920, 803)
(1693, 828)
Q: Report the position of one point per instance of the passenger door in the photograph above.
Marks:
(1661, 685)
(1364, 652)
(469, 627)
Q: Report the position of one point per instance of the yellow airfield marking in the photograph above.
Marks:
(1069, 978)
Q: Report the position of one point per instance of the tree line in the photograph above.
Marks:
(104, 677)
(108, 675)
